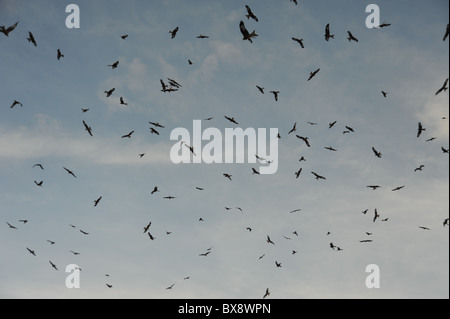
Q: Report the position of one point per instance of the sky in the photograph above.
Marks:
(408, 60)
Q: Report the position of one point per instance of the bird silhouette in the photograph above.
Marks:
(297, 174)
(6, 31)
(444, 150)
(151, 236)
(332, 124)
(31, 251)
(267, 293)
(31, 38)
(255, 172)
(424, 228)
(327, 33)
(447, 32)
(313, 74)
(156, 124)
(15, 102)
(398, 188)
(384, 24)
(377, 154)
(420, 129)
(444, 87)
(384, 93)
(170, 287)
(153, 131)
(109, 286)
(261, 89)
(74, 252)
(420, 168)
(304, 139)
(39, 165)
(250, 14)
(331, 149)
(70, 172)
(97, 201)
(51, 242)
(228, 176)
(11, 226)
(299, 41)
(122, 101)
(124, 36)
(59, 55)
(83, 232)
(174, 32)
(246, 35)
(108, 93)
(376, 216)
(155, 190)
(232, 120)
(351, 37)
(87, 128)
(39, 183)
(318, 177)
(374, 187)
(146, 228)
(275, 94)
(277, 264)
(294, 129)
(84, 110)
(446, 222)
(53, 265)
(128, 135)
(269, 241)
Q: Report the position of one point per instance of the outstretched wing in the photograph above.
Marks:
(244, 31)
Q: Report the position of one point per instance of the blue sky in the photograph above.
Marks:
(408, 60)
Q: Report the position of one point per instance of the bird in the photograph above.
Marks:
(250, 14)
(201, 36)
(151, 236)
(297, 174)
(39, 183)
(350, 129)
(186, 278)
(59, 55)
(277, 264)
(70, 172)
(15, 102)
(11, 226)
(332, 124)
(267, 293)
(23, 221)
(275, 94)
(420, 168)
(261, 257)
(327, 33)
(443, 87)
(169, 197)
(398, 188)
(261, 89)
(445, 151)
(424, 228)
(365, 212)
(170, 287)
(38, 165)
(374, 187)
(51, 242)
(447, 32)
(31, 251)
(420, 129)
(87, 128)
(174, 32)
(153, 131)
(384, 93)
(385, 220)
(109, 286)
(318, 177)
(366, 241)
(53, 265)
(108, 93)
(269, 241)
(128, 135)
(146, 228)
(228, 176)
(376, 215)
(124, 36)
(83, 232)
(295, 2)
(299, 41)
(305, 139)
(313, 74)
(190, 62)
(141, 155)
(255, 172)
(156, 124)
(155, 190)
(246, 35)
(351, 37)
(431, 139)
(384, 24)
(446, 222)
(6, 31)
(31, 38)
(174, 83)
(74, 252)
(205, 254)
(122, 102)
(294, 129)
(330, 149)
(295, 211)
(114, 65)
(97, 201)
(294, 252)
(199, 188)
(84, 110)
(249, 229)
(377, 154)
(369, 234)
(232, 120)
(332, 246)
(312, 123)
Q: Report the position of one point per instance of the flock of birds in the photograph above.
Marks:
(171, 85)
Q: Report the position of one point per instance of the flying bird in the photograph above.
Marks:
(431, 139)
(83, 232)
(38, 165)
(250, 14)
(23, 221)
(318, 177)
(299, 41)
(295, 211)
(350, 129)
(297, 174)
(156, 124)
(295, 2)
(15, 102)
(261, 89)
(327, 33)
(446, 222)
(59, 55)
(420, 129)
(293, 129)
(155, 190)
(330, 149)
(424, 228)
(70, 172)
(146, 228)
(97, 201)
(351, 37)
(153, 131)
(275, 94)
(305, 139)
(51, 242)
(74, 252)
(377, 154)
(278, 264)
(39, 183)
(53, 265)
(246, 35)
(205, 254)
(447, 32)
(398, 188)
(128, 135)
(31, 38)
(201, 36)
(366, 241)
(255, 172)
(124, 36)
(31, 251)
(169, 197)
(108, 93)
(267, 294)
(232, 120)
(332, 124)
(420, 168)
(374, 187)
(384, 93)
(109, 286)
(269, 241)
(6, 31)
(228, 176)
(384, 24)
(170, 287)
(151, 236)
(84, 110)
(313, 74)
(122, 102)
(376, 215)
(87, 128)
(174, 32)
(11, 226)
(443, 88)
(445, 151)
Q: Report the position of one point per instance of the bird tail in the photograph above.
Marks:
(349, 39)
(332, 36)
(253, 34)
